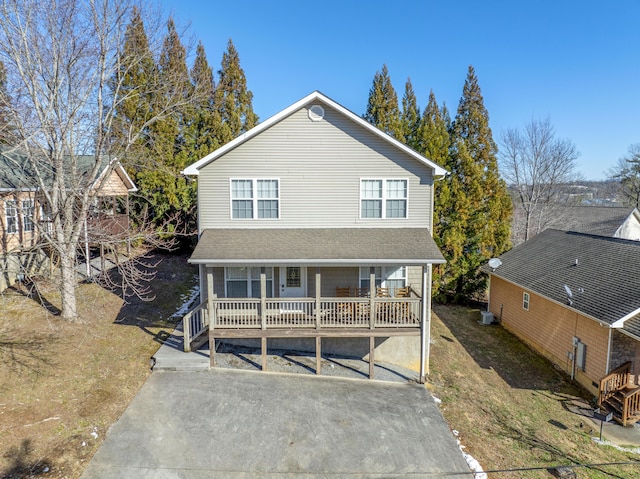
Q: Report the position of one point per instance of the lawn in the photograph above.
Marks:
(63, 384)
(511, 407)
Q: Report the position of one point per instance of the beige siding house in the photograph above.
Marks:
(312, 205)
(575, 298)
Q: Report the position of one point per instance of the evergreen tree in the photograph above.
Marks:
(135, 80)
(478, 216)
(410, 117)
(382, 107)
(170, 147)
(206, 126)
(233, 99)
(434, 142)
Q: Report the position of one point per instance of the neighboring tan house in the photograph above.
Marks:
(575, 298)
(24, 212)
(315, 226)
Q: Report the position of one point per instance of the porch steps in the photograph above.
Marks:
(615, 405)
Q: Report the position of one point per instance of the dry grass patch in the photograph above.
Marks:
(63, 384)
(510, 405)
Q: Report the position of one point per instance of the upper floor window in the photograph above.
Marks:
(383, 198)
(27, 215)
(11, 215)
(255, 198)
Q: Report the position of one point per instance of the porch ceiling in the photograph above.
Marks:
(317, 246)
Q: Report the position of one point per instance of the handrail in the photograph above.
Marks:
(194, 324)
(631, 407)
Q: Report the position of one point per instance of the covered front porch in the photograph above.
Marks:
(298, 280)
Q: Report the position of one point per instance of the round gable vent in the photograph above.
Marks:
(316, 113)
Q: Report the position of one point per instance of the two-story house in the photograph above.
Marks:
(316, 225)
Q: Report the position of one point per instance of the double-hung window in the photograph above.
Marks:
(391, 277)
(27, 215)
(255, 198)
(383, 198)
(526, 299)
(11, 215)
(244, 282)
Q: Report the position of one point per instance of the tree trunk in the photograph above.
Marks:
(68, 286)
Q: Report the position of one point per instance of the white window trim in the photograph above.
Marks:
(526, 300)
(15, 216)
(249, 280)
(26, 219)
(254, 199)
(365, 272)
(385, 198)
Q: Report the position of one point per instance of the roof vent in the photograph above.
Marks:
(316, 113)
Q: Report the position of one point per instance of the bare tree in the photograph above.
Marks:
(535, 163)
(627, 174)
(64, 67)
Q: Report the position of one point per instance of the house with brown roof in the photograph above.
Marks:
(315, 234)
(575, 298)
(25, 215)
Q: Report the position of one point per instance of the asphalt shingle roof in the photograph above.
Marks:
(597, 220)
(335, 246)
(602, 273)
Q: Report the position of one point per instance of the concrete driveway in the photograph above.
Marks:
(237, 424)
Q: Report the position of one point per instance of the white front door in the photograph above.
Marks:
(293, 281)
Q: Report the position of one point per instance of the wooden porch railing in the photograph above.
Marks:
(301, 313)
(195, 324)
(618, 394)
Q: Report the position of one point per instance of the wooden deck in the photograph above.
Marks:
(317, 318)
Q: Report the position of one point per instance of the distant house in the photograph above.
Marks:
(25, 215)
(575, 298)
(614, 221)
(315, 232)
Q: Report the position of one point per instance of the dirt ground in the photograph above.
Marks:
(63, 384)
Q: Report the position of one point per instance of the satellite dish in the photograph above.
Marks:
(568, 290)
(495, 263)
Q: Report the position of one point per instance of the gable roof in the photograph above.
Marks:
(16, 171)
(603, 273)
(194, 168)
(597, 220)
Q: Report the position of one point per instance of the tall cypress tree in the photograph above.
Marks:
(382, 106)
(434, 142)
(205, 128)
(233, 99)
(410, 117)
(480, 207)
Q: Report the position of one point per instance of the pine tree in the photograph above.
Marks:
(206, 125)
(382, 107)
(479, 213)
(135, 80)
(233, 99)
(410, 117)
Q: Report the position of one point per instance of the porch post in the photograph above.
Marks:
(372, 296)
(210, 294)
(425, 323)
(318, 296)
(263, 297)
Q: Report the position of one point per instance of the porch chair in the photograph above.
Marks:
(402, 292)
(382, 292)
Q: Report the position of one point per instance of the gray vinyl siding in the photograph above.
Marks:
(331, 278)
(414, 278)
(319, 165)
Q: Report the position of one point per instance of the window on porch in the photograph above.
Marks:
(244, 282)
(386, 277)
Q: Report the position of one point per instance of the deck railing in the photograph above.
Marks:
(194, 324)
(614, 381)
(292, 313)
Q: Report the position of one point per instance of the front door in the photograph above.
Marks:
(293, 281)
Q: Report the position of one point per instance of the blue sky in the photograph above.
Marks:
(576, 62)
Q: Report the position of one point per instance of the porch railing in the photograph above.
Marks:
(618, 393)
(194, 324)
(291, 313)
